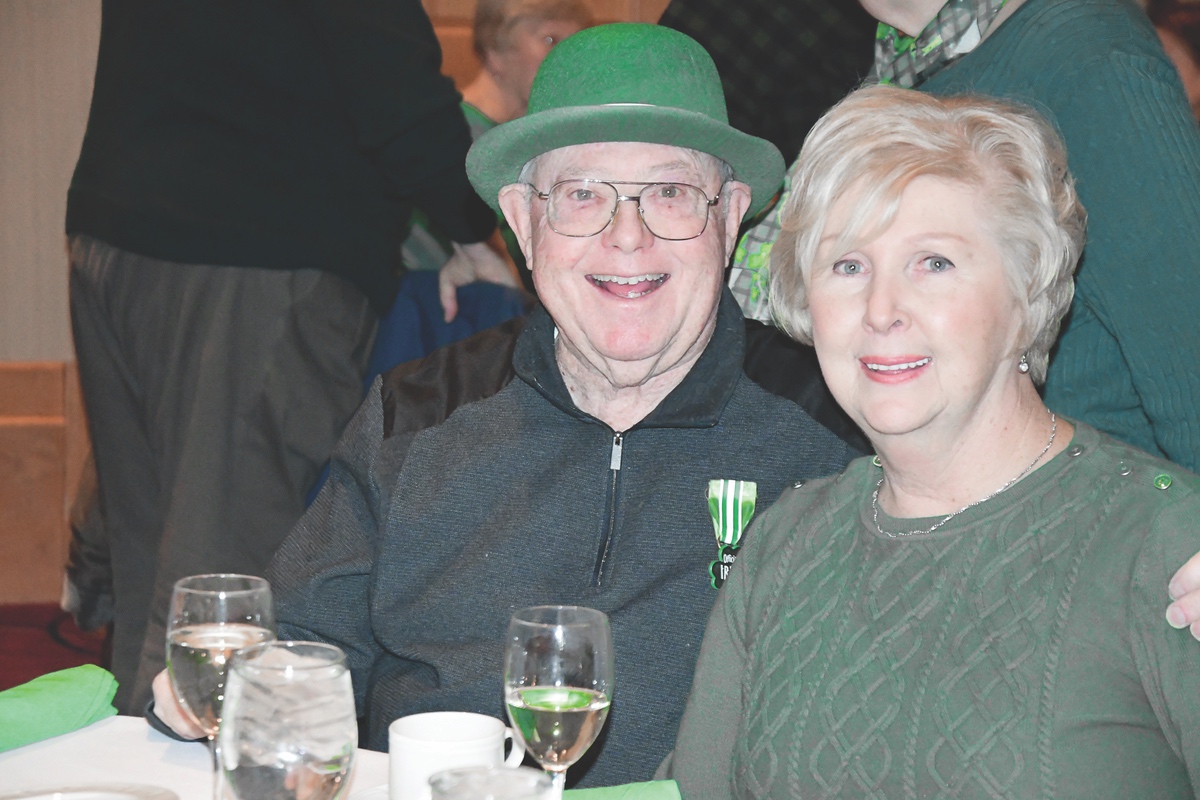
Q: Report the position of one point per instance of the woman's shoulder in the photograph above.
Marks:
(1152, 479)
(1146, 510)
(819, 501)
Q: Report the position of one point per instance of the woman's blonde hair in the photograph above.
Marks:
(495, 19)
(871, 145)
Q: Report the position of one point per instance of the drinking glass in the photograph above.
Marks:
(211, 617)
(289, 730)
(558, 682)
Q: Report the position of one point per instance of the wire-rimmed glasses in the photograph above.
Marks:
(584, 207)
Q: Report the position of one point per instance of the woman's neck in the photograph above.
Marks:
(941, 471)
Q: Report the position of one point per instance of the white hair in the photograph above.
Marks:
(876, 141)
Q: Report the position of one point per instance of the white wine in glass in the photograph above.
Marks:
(212, 617)
(288, 731)
(558, 682)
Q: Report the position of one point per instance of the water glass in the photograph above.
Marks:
(289, 730)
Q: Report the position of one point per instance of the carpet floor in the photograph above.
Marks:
(36, 639)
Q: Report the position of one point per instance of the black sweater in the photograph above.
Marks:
(282, 134)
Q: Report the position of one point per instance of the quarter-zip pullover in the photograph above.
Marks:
(422, 544)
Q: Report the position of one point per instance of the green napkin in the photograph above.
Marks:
(54, 704)
(650, 790)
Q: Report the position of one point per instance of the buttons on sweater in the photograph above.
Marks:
(1162, 481)
(1075, 450)
(1124, 470)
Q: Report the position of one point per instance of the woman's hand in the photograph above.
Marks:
(1184, 589)
(168, 709)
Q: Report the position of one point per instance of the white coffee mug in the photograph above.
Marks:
(422, 744)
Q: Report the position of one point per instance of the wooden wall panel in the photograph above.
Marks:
(34, 479)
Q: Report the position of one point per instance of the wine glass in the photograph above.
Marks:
(288, 731)
(558, 682)
(211, 617)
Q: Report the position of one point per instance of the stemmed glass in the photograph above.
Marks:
(289, 728)
(558, 682)
(211, 617)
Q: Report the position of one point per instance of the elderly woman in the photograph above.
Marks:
(977, 611)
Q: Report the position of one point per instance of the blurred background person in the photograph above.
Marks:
(1178, 25)
(511, 37)
(235, 220)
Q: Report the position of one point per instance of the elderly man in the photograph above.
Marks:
(584, 480)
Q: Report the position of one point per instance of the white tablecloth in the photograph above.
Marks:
(126, 750)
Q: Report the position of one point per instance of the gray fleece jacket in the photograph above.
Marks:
(422, 544)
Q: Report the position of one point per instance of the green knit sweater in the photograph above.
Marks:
(1018, 652)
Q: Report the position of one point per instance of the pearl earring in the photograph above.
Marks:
(1023, 366)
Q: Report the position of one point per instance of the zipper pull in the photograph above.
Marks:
(615, 462)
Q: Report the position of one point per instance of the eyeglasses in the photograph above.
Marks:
(584, 207)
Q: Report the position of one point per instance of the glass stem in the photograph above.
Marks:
(558, 782)
(214, 749)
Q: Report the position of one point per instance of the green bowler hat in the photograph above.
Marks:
(626, 82)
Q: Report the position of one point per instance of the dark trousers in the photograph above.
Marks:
(214, 395)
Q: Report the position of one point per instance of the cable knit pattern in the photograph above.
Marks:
(1019, 652)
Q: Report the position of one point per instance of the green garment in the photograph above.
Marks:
(1127, 359)
(1018, 652)
(54, 704)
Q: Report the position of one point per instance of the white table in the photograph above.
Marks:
(127, 750)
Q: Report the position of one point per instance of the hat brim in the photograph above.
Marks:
(496, 158)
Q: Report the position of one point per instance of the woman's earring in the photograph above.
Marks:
(1023, 365)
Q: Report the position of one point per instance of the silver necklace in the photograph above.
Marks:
(953, 514)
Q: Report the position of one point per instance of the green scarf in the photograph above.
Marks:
(907, 61)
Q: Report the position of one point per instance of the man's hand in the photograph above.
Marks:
(1184, 589)
(470, 263)
(168, 709)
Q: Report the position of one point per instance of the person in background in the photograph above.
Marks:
(512, 38)
(1128, 360)
(1178, 25)
(235, 221)
(976, 612)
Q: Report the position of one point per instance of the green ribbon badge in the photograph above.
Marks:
(731, 504)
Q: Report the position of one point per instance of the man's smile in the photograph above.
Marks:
(630, 287)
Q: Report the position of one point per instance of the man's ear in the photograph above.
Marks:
(736, 198)
(514, 202)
